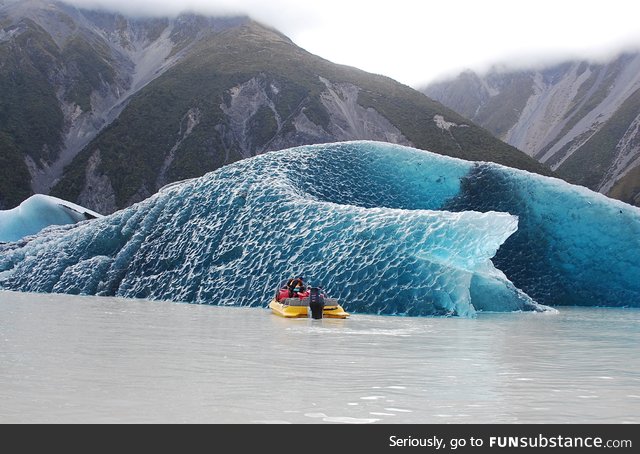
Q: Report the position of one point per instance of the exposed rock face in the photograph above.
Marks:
(347, 120)
(351, 121)
(90, 64)
(126, 106)
(191, 119)
(98, 191)
(247, 100)
(580, 118)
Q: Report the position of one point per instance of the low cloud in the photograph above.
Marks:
(288, 15)
(415, 41)
(159, 7)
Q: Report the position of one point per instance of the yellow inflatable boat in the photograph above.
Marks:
(296, 308)
(311, 303)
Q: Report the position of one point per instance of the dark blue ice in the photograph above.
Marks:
(387, 229)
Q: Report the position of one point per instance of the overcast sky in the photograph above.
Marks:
(416, 41)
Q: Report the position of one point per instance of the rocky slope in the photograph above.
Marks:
(125, 106)
(65, 74)
(580, 118)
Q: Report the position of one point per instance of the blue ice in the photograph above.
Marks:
(38, 212)
(387, 229)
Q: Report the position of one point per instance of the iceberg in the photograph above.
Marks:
(38, 212)
(573, 246)
(386, 229)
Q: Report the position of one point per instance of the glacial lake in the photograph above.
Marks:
(67, 359)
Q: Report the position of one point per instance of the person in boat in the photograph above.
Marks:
(296, 286)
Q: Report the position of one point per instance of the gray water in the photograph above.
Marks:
(106, 360)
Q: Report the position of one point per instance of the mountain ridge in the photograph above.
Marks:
(579, 117)
(86, 65)
(133, 104)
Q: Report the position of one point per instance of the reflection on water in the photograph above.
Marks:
(89, 359)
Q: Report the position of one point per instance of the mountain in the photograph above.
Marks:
(581, 118)
(65, 74)
(104, 110)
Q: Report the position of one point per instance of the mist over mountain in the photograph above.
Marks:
(103, 109)
(580, 117)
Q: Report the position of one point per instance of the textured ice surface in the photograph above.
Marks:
(573, 246)
(387, 229)
(339, 214)
(38, 212)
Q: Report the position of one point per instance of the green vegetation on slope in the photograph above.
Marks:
(469, 96)
(501, 112)
(90, 65)
(263, 125)
(13, 174)
(30, 119)
(29, 111)
(135, 148)
(32, 70)
(588, 167)
(627, 188)
(463, 93)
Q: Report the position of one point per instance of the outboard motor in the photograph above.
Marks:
(316, 303)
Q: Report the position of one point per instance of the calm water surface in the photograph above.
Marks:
(107, 360)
